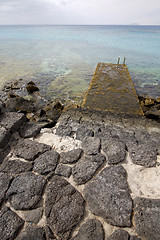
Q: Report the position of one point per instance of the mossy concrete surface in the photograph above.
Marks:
(111, 89)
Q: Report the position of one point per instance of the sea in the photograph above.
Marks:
(61, 59)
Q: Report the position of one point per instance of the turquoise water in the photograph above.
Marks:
(62, 59)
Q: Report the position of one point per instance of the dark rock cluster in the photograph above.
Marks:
(151, 107)
(47, 195)
(24, 97)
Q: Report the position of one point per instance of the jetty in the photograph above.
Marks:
(80, 174)
(111, 89)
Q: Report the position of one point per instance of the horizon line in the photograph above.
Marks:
(50, 24)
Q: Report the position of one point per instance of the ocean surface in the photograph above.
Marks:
(62, 59)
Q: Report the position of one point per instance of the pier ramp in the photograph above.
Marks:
(111, 89)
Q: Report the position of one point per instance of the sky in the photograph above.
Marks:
(101, 12)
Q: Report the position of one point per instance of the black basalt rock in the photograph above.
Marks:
(92, 229)
(29, 150)
(147, 218)
(25, 191)
(119, 234)
(10, 224)
(64, 207)
(108, 196)
(86, 167)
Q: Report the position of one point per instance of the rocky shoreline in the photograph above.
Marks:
(23, 96)
(79, 175)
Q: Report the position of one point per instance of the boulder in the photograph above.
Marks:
(119, 234)
(46, 162)
(21, 104)
(70, 157)
(64, 207)
(144, 154)
(146, 218)
(83, 132)
(10, 224)
(63, 170)
(91, 145)
(12, 121)
(92, 229)
(108, 196)
(86, 167)
(26, 191)
(134, 238)
(4, 137)
(30, 130)
(64, 130)
(14, 167)
(33, 216)
(32, 233)
(31, 87)
(115, 150)
(5, 180)
(29, 150)
(153, 113)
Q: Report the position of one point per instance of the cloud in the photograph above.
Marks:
(79, 11)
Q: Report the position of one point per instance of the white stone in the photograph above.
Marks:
(58, 143)
(143, 182)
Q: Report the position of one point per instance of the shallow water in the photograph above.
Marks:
(62, 59)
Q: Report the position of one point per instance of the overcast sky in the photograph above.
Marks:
(79, 11)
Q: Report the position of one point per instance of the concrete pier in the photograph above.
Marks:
(111, 89)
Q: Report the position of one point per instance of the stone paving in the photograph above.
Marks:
(90, 177)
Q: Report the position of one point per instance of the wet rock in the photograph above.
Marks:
(71, 156)
(86, 167)
(25, 191)
(12, 121)
(146, 218)
(5, 179)
(63, 130)
(46, 162)
(58, 105)
(32, 233)
(83, 132)
(3, 96)
(153, 113)
(115, 151)
(149, 101)
(31, 87)
(30, 130)
(14, 167)
(4, 137)
(64, 207)
(90, 230)
(158, 100)
(108, 196)
(144, 154)
(63, 170)
(119, 235)
(33, 216)
(10, 224)
(91, 145)
(29, 150)
(53, 115)
(21, 104)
